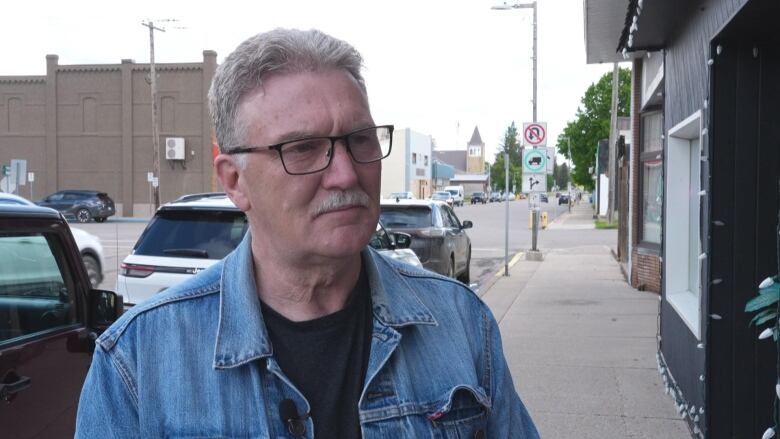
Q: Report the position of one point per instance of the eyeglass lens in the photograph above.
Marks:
(311, 155)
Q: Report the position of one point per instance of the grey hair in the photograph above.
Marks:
(276, 51)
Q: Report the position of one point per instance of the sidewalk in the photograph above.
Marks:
(581, 344)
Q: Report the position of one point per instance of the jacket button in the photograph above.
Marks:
(480, 434)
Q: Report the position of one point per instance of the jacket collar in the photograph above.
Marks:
(242, 336)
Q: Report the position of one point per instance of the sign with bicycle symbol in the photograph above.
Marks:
(535, 133)
(534, 160)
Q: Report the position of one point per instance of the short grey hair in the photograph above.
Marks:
(276, 51)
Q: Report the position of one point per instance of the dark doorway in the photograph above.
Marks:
(744, 158)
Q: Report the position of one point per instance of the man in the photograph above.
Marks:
(303, 330)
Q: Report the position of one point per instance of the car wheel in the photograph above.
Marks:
(465, 277)
(83, 216)
(99, 219)
(93, 270)
(451, 268)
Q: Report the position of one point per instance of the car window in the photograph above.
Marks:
(56, 197)
(406, 216)
(36, 288)
(72, 197)
(192, 233)
(449, 218)
(379, 240)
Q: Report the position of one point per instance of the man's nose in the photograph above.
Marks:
(341, 172)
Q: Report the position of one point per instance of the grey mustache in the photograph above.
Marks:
(337, 200)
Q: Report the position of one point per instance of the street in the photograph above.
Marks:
(487, 237)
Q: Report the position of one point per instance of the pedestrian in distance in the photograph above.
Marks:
(303, 330)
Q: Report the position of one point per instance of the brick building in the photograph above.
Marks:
(89, 127)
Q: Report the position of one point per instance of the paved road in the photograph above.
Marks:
(488, 234)
(487, 237)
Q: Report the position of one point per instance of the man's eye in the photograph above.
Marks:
(303, 147)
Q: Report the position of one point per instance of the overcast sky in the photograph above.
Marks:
(439, 67)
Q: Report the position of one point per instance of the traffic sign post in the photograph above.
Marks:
(534, 160)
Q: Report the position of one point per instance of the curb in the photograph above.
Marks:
(493, 279)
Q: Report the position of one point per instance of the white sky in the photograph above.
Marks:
(431, 65)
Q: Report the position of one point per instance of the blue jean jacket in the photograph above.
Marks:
(196, 361)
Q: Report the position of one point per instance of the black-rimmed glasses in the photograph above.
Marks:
(314, 154)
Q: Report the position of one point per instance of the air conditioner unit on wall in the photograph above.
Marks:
(174, 148)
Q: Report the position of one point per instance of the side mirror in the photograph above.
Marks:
(104, 308)
(402, 240)
(467, 224)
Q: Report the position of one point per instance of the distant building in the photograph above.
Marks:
(468, 161)
(408, 168)
(89, 127)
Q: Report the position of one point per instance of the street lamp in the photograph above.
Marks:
(532, 5)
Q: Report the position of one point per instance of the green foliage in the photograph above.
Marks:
(592, 124)
(604, 225)
(497, 172)
(561, 175)
(766, 297)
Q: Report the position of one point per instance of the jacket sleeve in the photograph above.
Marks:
(107, 408)
(508, 416)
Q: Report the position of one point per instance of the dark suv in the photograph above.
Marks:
(478, 197)
(82, 205)
(49, 319)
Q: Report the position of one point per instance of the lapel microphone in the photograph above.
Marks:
(289, 415)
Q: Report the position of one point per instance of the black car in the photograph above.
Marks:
(563, 199)
(438, 237)
(478, 197)
(49, 319)
(543, 197)
(83, 205)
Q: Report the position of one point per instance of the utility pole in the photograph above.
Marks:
(155, 130)
(613, 135)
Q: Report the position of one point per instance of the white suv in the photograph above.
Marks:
(185, 237)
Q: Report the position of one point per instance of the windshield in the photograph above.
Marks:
(453, 191)
(406, 217)
(192, 233)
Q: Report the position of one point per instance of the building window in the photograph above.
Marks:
(683, 237)
(414, 158)
(651, 177)
(89, 115)
(475, 151)
(14, 115)
(426, 160)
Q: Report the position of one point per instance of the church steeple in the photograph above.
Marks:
(476, 139)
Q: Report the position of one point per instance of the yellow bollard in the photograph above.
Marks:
(530, 219)
(544, 220)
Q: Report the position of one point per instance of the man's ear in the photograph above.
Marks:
(229, 173)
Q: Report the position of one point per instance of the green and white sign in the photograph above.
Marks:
(534, 160)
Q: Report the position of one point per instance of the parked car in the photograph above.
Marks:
(183, 238)
(438, 237)
(478, 197)
(84, 206)
(543, 198)
(443, 196)
(395, 245)
(49, 319)
(496, 196)
(401, 196)
(510, 196)
(458, 194)
(563, 199)
(89, 245)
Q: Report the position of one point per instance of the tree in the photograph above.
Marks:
(561, 175)
(497, 172)
(592, 124)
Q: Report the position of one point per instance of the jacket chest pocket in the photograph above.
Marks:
(464, 415)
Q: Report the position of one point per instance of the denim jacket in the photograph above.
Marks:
(196, 361)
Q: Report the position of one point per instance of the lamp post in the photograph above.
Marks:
(536, 210)
(532, 5)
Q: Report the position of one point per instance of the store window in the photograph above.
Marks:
(651, 178)
(414, 158)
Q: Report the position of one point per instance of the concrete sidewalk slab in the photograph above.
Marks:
(581, 345)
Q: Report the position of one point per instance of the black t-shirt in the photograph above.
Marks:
(326, 358)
